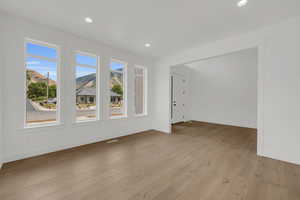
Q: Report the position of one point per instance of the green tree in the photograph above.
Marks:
(28, 76)
(117, 89)
(52, 91)
(37, 90)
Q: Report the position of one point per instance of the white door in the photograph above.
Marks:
(178, 98)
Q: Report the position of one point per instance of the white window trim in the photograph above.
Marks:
(42, 125)
(98, 101)
(125, 84)
(41, 57)
(58, 83)
(145, 96)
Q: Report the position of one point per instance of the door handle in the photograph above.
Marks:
(174, 103)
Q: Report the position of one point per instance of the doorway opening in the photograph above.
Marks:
(217, 90)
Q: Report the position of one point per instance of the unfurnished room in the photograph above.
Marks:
(157, 100)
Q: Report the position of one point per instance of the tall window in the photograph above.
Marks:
(140, 90)
(118, 98)
(86, 87)
(42, 82)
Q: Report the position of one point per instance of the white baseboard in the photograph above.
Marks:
(226, 123)
(291, 161)
(15, 157)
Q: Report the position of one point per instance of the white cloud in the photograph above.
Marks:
(33, 62)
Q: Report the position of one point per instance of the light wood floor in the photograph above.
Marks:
(199, 161)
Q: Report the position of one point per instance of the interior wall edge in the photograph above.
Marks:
(1, 102)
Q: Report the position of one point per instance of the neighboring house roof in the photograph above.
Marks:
(86, 92)
(113, 94)
(92, 92)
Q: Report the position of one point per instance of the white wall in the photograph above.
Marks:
(224, 89)
(278, 85)
(19, 142)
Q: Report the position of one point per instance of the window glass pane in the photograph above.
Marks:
(39, 50)
(86, 60)
(116, 66)
(41, 90)
(139, 101)
(139, 91)
(117, 89)
(86, 86)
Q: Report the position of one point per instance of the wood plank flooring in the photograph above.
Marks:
(199, 161)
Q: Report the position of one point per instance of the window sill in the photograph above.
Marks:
(42, 125)
(86, 122)
(119, 117)
(141, 115)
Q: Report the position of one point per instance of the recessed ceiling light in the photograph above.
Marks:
(242, 3)
(88, 20)
(147, 45)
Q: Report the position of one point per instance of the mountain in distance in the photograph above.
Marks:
(89, 81)
(116, 79)
(35, 77)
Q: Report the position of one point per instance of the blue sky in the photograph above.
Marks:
(35, 49)
(43, 66)
(116, 65)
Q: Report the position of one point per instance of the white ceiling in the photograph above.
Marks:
(169, 25)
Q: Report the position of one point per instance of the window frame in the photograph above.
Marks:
(125, 87)
(98, 101)
(58, 82)
(145, 93)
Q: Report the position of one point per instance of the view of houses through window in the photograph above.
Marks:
(41, 83)
(86, 87)
(117, 88)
